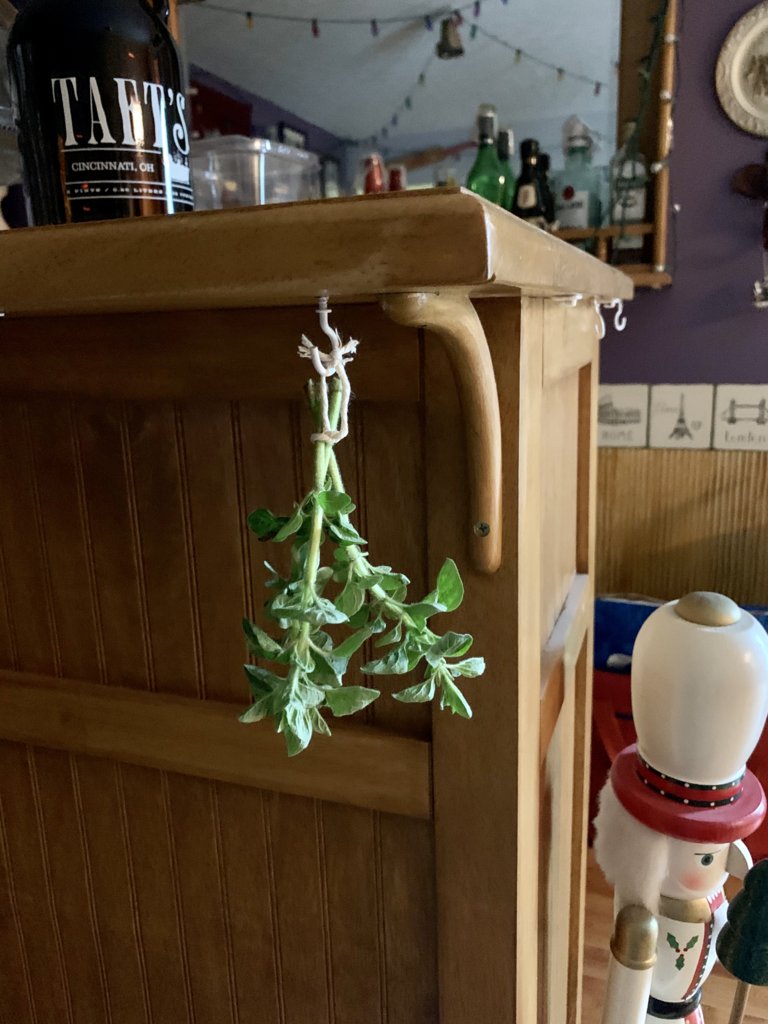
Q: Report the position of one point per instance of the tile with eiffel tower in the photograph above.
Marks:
(741, 417)
(681, 415)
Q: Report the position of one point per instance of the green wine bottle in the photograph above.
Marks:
(487, 177)
(505, 144)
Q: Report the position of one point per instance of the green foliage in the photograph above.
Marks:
(742, 945)
(307, 664)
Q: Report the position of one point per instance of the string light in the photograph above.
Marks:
(520, 53)
(374, 25)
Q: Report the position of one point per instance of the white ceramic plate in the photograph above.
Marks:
(741, 76)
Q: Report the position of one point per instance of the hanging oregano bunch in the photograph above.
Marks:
(306, 664)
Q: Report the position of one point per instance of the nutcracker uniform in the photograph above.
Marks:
(679, 802)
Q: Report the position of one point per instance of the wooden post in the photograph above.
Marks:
(739, 1003)
(666, 90)
(173, 20)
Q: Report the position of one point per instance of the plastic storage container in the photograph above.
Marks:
(232, 170)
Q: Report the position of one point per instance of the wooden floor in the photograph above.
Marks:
(718, 991)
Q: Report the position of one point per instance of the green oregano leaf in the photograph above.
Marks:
(349, 699)
(450, 589)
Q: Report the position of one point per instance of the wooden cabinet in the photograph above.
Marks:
(158, 860)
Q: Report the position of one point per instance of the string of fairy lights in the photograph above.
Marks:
(429, 21)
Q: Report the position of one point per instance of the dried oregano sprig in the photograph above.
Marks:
(307, 665)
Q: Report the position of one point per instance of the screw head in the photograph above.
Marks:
(481, 529)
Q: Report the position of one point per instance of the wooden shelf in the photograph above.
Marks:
(611, 231)
(642, 274)
(360, 248)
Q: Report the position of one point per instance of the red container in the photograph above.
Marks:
(396, 178)
(373, 174)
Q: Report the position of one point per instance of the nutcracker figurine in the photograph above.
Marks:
(679, 802)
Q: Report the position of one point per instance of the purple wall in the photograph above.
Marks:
(264, 113)
(703, 329)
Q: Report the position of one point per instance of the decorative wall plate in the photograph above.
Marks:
(741, 77)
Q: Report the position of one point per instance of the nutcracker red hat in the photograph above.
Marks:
(699, 701)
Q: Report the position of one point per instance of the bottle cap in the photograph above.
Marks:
(576, 134)
(505, 143)
(486, 121)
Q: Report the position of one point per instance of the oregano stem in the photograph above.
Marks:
(323, 453)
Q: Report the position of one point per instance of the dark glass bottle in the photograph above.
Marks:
(546, 184)
(101, 110)
(529, 195)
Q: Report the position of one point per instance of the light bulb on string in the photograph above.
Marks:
(408, 102)
(476, 9)
(560, 74)
(598, 88)
(473, 32)
(374, 27)
(315, 28)
(428, 23)
(249, 19)
(518, 56)
(422, 79)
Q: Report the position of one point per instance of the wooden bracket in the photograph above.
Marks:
(454, 320)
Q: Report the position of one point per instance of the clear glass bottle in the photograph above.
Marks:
(529, 201)
(486, 177)
(629, 193)
(100, 105)
(505, 147)
(577, 196)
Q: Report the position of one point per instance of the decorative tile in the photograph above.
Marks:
(741, 417)
(681, 415)
(622, 416)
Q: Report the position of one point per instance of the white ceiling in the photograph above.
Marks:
(350, 82)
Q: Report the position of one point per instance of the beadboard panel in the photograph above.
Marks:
(674, 521)
(130, 894)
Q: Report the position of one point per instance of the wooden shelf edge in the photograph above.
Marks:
(644, 276)
(355, 249)
(610, 231)
(359, 766)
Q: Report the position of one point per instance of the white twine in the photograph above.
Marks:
(326, 364)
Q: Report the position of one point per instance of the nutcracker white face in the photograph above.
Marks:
(695, 869)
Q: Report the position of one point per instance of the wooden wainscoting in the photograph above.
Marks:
(673, 521)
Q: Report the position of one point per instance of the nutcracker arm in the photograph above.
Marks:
(633, 955)
(739, 860)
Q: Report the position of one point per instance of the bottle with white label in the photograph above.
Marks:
(577, 196)
(629, 193)
(529, 200)
(101, 110)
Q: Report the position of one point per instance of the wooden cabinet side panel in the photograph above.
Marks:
(485, 859)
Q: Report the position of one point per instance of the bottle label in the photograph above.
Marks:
(573, 208)
(526, 197)
(123, 138)
(629, 207)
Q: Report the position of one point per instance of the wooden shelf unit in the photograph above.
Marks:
(157, 855)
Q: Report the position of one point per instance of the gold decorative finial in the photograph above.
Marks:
(705, 608)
